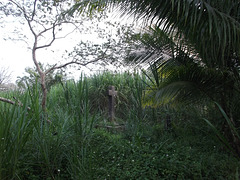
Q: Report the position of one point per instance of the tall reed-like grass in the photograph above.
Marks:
(17, 126)
(63, 143)
(73, 98)
(129, 87)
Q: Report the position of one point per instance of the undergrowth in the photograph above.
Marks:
(74, 139)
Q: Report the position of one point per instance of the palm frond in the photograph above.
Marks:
(212, 27)
(181, 81)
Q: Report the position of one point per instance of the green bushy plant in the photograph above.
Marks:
(114, 157)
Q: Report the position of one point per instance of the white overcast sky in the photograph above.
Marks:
(16, 55)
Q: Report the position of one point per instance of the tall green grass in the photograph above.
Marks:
(16, 130)
(51, 144)
(67, 141)
(73, 98)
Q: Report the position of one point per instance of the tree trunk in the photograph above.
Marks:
(42, 76)
(44, 91)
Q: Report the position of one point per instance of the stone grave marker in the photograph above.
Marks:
(111, 95)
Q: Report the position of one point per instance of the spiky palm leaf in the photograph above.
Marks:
(151, 46)
(178, 83)
(212, 27)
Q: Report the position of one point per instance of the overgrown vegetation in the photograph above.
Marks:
(75, 140)
(177, 119)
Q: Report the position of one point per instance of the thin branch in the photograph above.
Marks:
(54, 34)
(29, 20)
(21, 8)
(54, 67)
(7, 101)
(26, 16)
(13, 102)
(34, 10)
(76, 27)
(5, 75)
(72, 62)
(53, 37)
(41, 24)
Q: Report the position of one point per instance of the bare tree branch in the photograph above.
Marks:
(18, 103)
(7, 101)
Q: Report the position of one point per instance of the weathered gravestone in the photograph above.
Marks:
(111, 95)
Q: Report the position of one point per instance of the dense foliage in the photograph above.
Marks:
(75, 140)
(195, 48)
(177, 120)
